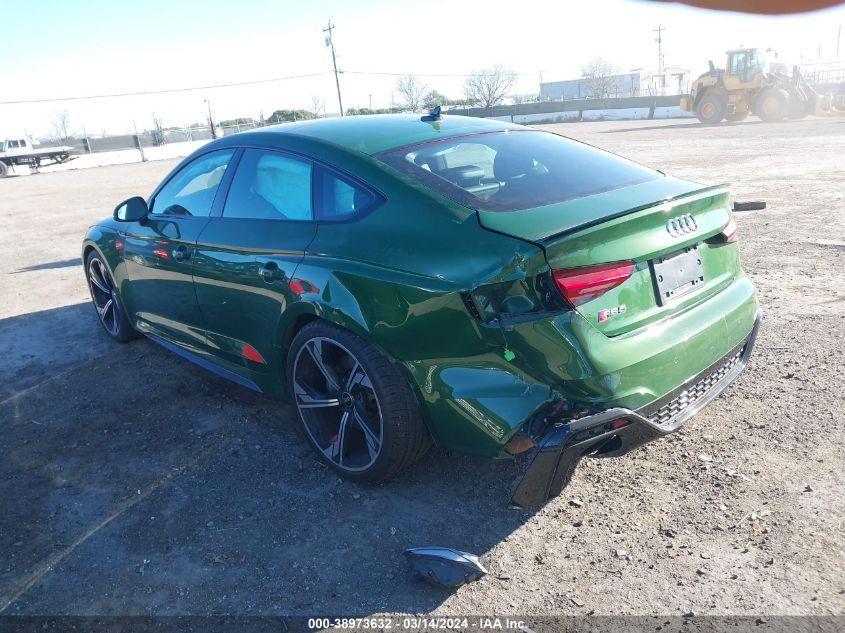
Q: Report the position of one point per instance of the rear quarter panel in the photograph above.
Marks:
(395, 276)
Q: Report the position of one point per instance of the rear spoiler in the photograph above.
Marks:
(704, 192)
(543, 224)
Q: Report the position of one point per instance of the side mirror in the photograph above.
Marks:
(131, 210)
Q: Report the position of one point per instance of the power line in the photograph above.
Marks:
(386, 74)
(253, 82)
(163, 90)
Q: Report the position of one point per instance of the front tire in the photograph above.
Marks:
(711, 109)
(106, 300)
(771, 104)
(355, 407)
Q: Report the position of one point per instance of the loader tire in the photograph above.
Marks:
(771, 105)
(711, 109)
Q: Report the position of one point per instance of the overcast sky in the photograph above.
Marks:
(59, 48)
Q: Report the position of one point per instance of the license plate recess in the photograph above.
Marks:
(677, 274)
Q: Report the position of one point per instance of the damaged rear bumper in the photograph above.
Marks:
(617, 431)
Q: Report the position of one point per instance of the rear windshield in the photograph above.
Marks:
(515, 169)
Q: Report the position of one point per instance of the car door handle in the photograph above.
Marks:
(269, 272)
(180, 253)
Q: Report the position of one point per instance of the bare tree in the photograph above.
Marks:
(598, 75)
(413, 91)
(434, 98)
(61, 126)
(318, 103)
(488, 86)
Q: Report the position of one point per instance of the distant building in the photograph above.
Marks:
(637, 83)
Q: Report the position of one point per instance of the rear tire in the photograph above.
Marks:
(106, 300)
(771, 104)
(711, 109)
(4, 169)
(355, 407)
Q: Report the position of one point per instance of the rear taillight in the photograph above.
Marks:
(729, 231)
(578, 285)
(727, 235)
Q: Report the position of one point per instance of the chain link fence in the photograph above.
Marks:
(91, 144)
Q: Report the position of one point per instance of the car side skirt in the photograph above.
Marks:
(206, 364)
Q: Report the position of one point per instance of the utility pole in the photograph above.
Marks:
(330, 44)
(210, 119)
(659, 39)
(138, 143)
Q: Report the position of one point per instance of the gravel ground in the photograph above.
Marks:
(132, 482)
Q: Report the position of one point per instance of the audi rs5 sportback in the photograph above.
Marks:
(495, 289)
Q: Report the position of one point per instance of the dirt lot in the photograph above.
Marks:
(132, 482)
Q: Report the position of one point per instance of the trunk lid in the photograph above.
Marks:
(631, 224)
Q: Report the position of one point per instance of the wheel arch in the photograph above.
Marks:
(306, 312)
(87, 249)
(102, 240)
(303, 312)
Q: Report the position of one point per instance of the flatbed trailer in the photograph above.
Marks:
(19, 151)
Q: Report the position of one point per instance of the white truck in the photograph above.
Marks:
(19, 151)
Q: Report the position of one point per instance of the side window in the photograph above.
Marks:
(268, 185)
(191, 191)
(13, 144)
(22, 143)
(340, 198)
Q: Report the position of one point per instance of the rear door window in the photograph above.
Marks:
(516, 169)
(270, 186)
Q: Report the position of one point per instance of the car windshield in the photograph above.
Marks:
(515, 169)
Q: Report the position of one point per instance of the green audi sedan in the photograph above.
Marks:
(403, 280)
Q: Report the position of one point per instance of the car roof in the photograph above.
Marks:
(374, 133)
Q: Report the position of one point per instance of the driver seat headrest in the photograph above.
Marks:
(510, 165)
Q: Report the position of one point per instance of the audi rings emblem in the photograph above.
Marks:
(682, 225)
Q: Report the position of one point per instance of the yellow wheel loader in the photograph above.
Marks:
(747, 85)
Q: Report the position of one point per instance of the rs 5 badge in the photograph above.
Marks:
(604, 315)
